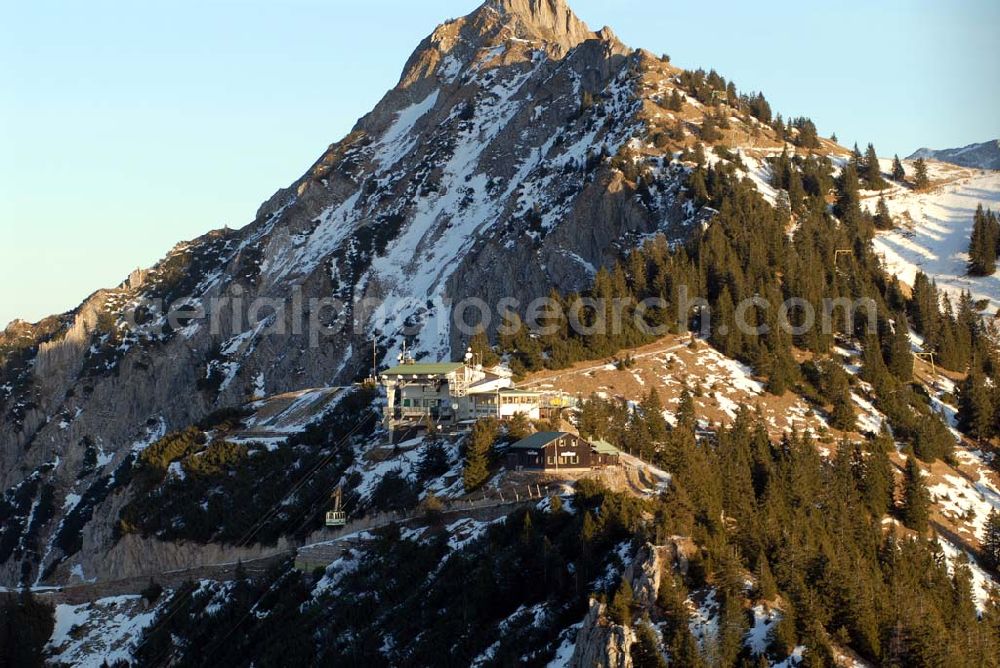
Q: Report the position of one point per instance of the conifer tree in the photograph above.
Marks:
(652, 415)
(916, 499)
(883, 219)
(709, 129)
(25, 626)
(991, 542)
(767, 588)
(898, 356)
(837, 390)
(645, 651)
(685, 409)
(857, 161)
(920, 179)
(898, 173)
(975, 406)
(877, 477)
(983, 243)
(620, 608)
(475, 469)
(676, 102)
(872, 171)
(481, 348)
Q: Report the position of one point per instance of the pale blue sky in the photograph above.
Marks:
(126, 127)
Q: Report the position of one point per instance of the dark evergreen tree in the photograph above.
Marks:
(983, 244)
(767, 588)
(920, 179)
(710, 129)
(685, 409)
(25, 626)
(898, 354)
(872, 172)
(837, 390)
(478, 445)
(991, 542)
(675, 102)
(482, 351)
(620, 608)
(975, 407)
(898, 173)
(645, 650)
(883, 219)
(916, 499)
(877, 478)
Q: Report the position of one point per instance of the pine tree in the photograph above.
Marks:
(983, 243)
(916, 499)
(898, 173)
(899, 357)
(25, 626)
(645, 650)
(709, 129)
(676, 102)
(837, 390)
(482, 350)
(651, 410)
(883, 219)
(620, 608)
(877, 477)
(767, 588)
(685, 409)
(920, 178)
(475, 469)
(872, 172)
(975, 406)
(991, 541)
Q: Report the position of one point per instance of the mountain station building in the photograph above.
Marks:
(453, 392)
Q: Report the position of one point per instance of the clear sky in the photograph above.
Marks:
(126, 127)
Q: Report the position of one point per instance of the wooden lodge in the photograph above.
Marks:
(560, 451)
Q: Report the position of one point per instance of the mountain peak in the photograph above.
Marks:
(522, 26)
(550, 21)
(551, 17)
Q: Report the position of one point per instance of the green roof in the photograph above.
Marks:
(421, 369)
(604, 448)
(538, 440)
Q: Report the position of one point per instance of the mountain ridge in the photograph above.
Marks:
(982, 155)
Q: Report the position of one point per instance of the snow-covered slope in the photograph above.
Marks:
(985, 155)
(933, 229)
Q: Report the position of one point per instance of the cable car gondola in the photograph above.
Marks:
(336, 517)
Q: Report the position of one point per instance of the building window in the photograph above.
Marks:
(406, 403)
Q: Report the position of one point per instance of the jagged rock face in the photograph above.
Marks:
(484, 173)
(601, 643)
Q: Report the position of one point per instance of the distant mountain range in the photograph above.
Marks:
(985, 155)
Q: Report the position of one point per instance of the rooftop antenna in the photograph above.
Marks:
(404, 357)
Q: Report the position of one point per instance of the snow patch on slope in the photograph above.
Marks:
(933, 230)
